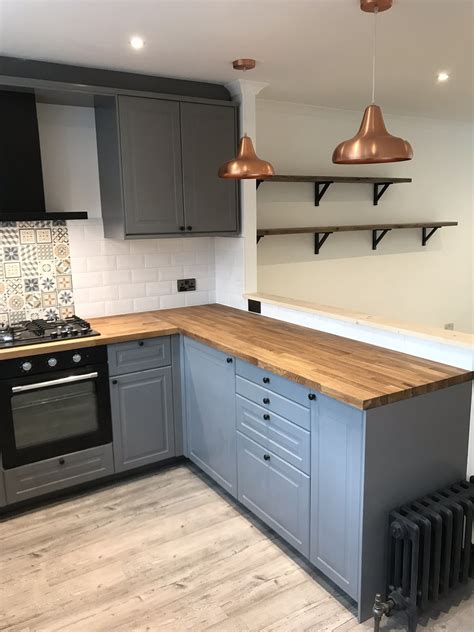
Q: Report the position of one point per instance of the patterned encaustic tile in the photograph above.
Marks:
(35, 271)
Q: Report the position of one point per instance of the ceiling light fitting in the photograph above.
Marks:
(247, 165)
(373, 144)
(137, 42)
(442, 77)
(244, 64)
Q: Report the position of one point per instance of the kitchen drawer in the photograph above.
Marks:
(282, 437)
(274, 491)
(275, 383)
(36, 479)
(139, 355)
(271, 401)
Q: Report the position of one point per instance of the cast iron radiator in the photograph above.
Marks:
(430, 551)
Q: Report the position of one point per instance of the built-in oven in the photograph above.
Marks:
(53, 404)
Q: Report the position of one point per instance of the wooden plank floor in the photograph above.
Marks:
(166, 552)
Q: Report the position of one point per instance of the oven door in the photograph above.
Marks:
(50, 415)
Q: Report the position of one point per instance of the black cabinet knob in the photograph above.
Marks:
(266, 417)
(181, 228)
(62, 461)
(266, 457)
(114, 382)
(266, 400)
(229, 360)
(266, 380)
(312, 396)
(141, 343)
(189, 227)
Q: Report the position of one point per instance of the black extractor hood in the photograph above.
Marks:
(21, 176)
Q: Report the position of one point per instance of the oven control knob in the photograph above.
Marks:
(26, 366)
(76, 357)
(52, 362)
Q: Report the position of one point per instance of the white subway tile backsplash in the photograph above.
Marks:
(115, 277)
(171, 274)
(157, 260)
(144, 274)
(95, 264)
(159, 288)
(146, 304)
(172, 300)
(129, 262)
(131, 290)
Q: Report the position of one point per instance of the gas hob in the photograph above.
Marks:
(38, 331)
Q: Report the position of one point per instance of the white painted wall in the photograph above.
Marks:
(114, 276)
(401, 280)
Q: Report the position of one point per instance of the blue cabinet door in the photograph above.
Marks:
(210, 412)
(142, 418)
(337, 432)
(275, 491)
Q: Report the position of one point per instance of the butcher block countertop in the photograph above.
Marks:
(353, 372)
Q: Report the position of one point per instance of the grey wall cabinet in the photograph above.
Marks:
(142, 418)
(208, 140)
(210, 412)
(151, 165)
(158, 162)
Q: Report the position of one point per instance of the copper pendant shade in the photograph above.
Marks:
(372, 144)
(247, 165)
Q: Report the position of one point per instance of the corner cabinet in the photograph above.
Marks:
(158, 162)
(210, 412)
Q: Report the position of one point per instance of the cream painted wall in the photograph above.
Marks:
(431, 285)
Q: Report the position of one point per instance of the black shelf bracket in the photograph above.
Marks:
(319, 239)
(377, 238)
(379, 190)
(259, 237)
(320, 189)
(259, 182)
(426, 236)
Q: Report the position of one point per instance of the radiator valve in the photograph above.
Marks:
(380, 609)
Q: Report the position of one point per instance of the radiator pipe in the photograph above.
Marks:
(380, 609)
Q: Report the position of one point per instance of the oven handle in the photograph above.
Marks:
(63, 380)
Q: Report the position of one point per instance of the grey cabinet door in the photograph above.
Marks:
(275, 491)
(151, 165)
(337, 432)
(142, 418)
(208, 134)
(210, 412)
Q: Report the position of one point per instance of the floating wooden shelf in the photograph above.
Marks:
(322, 183)
(321, 233)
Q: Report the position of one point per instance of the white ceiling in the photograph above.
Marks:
(310, 51)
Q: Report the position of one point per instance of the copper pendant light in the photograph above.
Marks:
(247, 165)
(373, 144)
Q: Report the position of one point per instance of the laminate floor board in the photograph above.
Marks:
(166, 552)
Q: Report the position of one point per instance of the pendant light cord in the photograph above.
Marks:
(374, 54)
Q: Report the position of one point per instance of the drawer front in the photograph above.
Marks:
(274, 383)
(282, 437)
(139, 355)
(36, 479)
(274, 491)
(300, 415)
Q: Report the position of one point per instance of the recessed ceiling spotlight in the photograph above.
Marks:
(442, 76)
(137, 42)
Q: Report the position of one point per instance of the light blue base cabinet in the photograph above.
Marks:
(141, 396)
(209, 394)
(275, 491)
(336, 492)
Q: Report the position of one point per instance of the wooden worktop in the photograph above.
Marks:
(354, 372)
